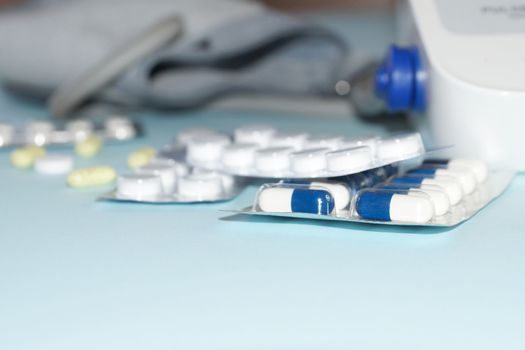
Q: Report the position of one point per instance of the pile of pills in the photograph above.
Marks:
(435, 189)
(46, 132)
(87, 137)
(162, 180)
(262, 151)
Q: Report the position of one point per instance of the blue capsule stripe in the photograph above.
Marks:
(312, 201)
(415, 180)
(374, 205)
(424, 171)
(436, 161)
(399, 188)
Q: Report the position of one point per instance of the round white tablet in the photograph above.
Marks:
(206, 150)
(54, 164)
(257, 134)
(120, 128)
(167, 174)
(331, 142)
(228, 181)
(80, 129)
(180, 168)
(139, 186)
(200, 186)
(400, 147)
(350, 159)
(39, 132)
(239, 155)
(294, 140)
(273, 159)
(359, 141)
(308, 161)
(186, 135)
(7, 133)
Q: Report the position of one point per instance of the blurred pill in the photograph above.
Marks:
(25, 157)
(54, 164)
(91, 177)
(89, 147)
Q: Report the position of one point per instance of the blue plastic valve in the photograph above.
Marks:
(400, 81)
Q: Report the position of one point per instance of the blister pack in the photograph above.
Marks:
(262, 151)
(165, 181)
(47, 133)
(439, 192)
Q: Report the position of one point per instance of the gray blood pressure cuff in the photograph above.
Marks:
(227, 47)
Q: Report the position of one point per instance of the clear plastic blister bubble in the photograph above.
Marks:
(167, 181)
(48, 133)
(383, 196)
(262, 151)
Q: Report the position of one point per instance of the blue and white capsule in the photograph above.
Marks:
(478, 167)
(285, 199)
(388, 205)
(465, 177)
(450, 185)
(338, 190)
(436, 194)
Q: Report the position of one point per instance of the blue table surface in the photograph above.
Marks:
(79, 274)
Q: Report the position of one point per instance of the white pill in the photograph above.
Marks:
(239, 155)
(200, 186)
(466, 178)
(7, 133)
(54, 164)
(189, 134)
(438, 197)
(436, 194)
(80, 129)
(167, 174)
(207, 150)
(400, 147)
(308, 161)
(294, 140)
(39, 132)
(273, 159)
(260, 135)
(120, 128)
(411, 208)
(139, 186)
(180, 169)
(360, 141)
(479, 167)
(331, 142)
(449, 184)
(228, 181)
(350, 159)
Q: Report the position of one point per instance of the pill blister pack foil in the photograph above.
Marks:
(49, 133)
(264, 152)
(164, 181)
(493, 186)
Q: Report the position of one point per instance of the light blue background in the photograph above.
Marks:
(79, 274)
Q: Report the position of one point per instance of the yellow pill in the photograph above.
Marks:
(25, 157)
(89, 147)
(91, 177)
(141, 157)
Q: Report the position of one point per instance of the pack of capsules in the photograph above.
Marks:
(438, 192)
(49, 133)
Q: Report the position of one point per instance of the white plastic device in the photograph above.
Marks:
(473, 52)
